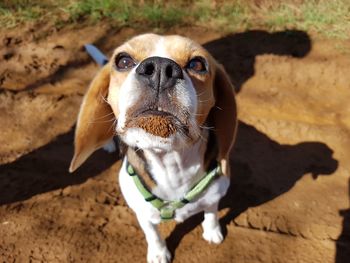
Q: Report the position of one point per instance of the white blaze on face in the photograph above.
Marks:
(160, 50)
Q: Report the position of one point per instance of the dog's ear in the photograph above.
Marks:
(95, 120)
(224, 116)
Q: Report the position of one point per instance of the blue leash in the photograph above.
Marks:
(96, 54)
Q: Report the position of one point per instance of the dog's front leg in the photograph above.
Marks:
(157, 251)
(211, 226)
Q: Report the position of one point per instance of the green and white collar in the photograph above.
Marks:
(167, 208)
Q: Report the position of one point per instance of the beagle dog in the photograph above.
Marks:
(175, 112)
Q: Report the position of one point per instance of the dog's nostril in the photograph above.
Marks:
(169, 71)
(149, 70)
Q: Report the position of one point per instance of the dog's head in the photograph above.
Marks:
(162, 91)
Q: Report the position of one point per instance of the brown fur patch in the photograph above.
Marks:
(162, 126)
(137, 159)
(95, 124)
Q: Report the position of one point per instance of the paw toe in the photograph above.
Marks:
(160, 256)
(213, 236)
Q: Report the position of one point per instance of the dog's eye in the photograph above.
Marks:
(124, 61)
(197, 65)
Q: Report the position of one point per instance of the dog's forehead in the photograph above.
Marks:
(174, 47)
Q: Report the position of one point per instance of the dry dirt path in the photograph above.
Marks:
(289, 200)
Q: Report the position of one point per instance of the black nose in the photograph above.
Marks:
(159, 73)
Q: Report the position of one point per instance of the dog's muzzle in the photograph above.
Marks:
(159, 114)
(159, 73)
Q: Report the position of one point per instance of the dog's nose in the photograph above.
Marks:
(159, 73)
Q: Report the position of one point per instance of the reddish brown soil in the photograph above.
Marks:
(289, 200)
(156, 125)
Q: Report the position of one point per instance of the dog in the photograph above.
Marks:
(175, 112)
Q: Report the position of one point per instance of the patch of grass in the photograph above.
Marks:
(226, 15)
(330, 18)
(160, 16)
(97, 10)
(8, 19)
(126, 12)
(15, 12)
(280, 16)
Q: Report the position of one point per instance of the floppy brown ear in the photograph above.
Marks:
(95, 120)
(224, 116)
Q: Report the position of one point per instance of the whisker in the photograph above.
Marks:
(103, 98)
(198, 114)
(91, 122)
(102, 117)
(200, 94)
(207, 127)
(201, 137)
(201, 101)
(197, 131)
(114, 124)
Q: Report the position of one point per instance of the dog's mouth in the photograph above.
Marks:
(155, 112)
(158, 122)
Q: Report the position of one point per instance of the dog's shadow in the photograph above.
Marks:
(262, 169)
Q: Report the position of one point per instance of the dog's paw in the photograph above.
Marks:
(160, 255)
(110, 146)
(213, 235)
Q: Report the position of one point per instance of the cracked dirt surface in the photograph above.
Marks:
(289, 199)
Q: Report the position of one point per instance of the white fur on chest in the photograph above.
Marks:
(175, 173)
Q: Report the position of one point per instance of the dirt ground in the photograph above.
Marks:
(289, 199)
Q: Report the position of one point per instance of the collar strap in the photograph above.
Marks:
(167, 208)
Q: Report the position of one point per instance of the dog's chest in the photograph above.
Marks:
(146, 210)
(176, 172)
